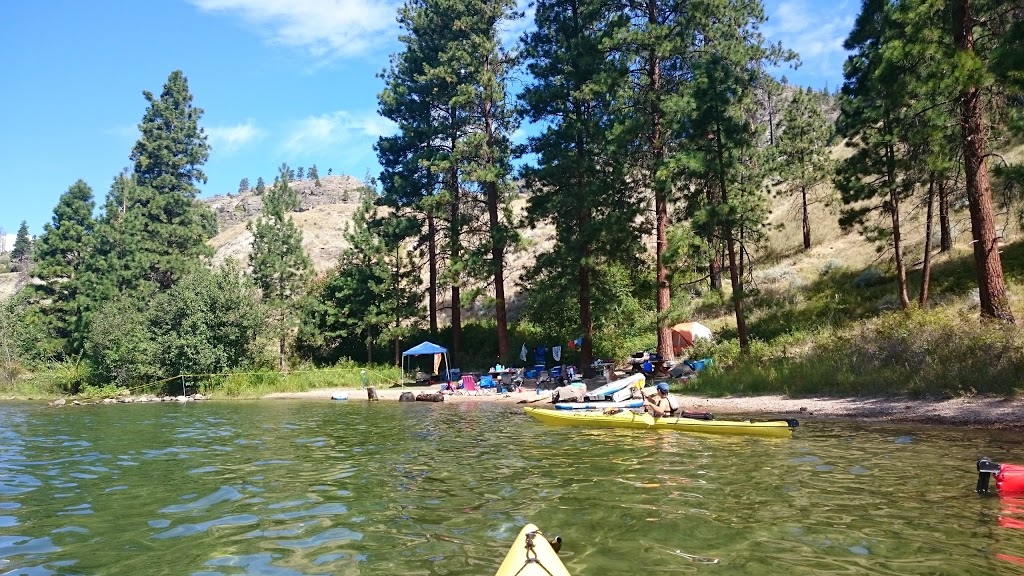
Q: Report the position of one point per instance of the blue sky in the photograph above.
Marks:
(280, 81)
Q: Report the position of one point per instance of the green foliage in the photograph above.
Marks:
(208, 323)
(122, 343)
(61, 254)
(580, 183)
(344, 374)
(913, 353)
(162, 223)
(243, 186)
(623, 315)
(261, 186)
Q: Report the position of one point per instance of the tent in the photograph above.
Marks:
(424, 349)
(685, 333)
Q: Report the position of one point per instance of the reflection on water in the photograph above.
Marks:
(300, 488)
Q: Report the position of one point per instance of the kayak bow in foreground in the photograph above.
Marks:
(531, 555)
(643, 421)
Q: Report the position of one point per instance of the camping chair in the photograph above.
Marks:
(469, 385)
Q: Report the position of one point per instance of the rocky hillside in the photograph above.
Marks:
(322, 214)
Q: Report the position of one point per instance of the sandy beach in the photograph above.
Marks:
(981, 412)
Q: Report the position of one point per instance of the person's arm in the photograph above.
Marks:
(656, 409)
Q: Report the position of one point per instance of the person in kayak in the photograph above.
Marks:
(661, 405)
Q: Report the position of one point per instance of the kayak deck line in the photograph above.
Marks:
(628, 419)
(532, 555)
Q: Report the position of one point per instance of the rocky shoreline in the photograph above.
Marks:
(975, 412)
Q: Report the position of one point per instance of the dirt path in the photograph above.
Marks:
(985, 412)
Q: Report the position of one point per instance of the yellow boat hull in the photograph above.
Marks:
(531, 556)
(643, 421)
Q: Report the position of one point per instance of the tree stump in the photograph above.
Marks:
(430, 398)
(371, 394)
(407, 397)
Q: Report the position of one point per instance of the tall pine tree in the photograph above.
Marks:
(167, 227)
(803, 152)
(579, 183)
(21, 252)
(61, 254)
(280, 266)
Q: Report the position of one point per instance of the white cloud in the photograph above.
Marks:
(230, 138)
(815, 31)
(336, 129)
(326, 28)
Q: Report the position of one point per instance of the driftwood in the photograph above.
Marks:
(407, 397)
(430, 398)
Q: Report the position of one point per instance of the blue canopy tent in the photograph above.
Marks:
(424, 349)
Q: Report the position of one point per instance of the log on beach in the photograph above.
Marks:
(430, 398)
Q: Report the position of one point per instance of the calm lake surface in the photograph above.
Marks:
(303, 487)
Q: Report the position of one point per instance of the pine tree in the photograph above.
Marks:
(428, 87)
(61, 254)
(280, 266)
(168, 227)
(314, 175)
(727, 63)
(804, 159)
(871, 120)
(488, 148)
(243, 186)
(301, 172)
(21, 252)
(261, 186)
(579, 183)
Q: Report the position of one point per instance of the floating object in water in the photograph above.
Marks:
(643, 421)
(339, 396)
(1009, 477)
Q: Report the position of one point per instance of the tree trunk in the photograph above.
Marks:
(926, 267)
(714, 246)
(432, 272)
(497, 242)
(988, 266)
(730, 244)
(664, 295)
(586, 323)
(897, 243)
(806, 218)
(945, 231)
(453, 188)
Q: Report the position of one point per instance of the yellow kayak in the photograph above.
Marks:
(643, 421)
(531, 555)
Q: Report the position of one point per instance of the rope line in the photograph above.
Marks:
(531, 554)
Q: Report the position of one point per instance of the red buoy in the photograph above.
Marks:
(1010, 479)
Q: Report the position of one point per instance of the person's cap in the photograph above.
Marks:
(663, 387)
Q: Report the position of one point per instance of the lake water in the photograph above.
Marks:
(302, 487)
